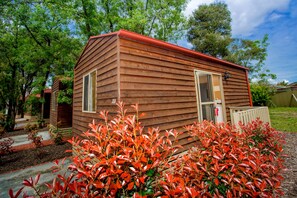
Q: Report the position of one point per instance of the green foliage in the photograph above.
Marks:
(210, 29)
(159, 19)
(210, 33)
(283, 83)
(35, 43)
(41, 39)
(261, 93)
(251, 54)
(65, 95)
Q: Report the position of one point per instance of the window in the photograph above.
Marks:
(89, 92)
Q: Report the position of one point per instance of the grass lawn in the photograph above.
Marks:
(284, 118)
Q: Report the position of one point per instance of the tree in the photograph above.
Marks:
(12, 42)
(42, 39)
(159, 19)
(251, 54)
(210, 29)
(283, 83)
(36, 42)
(210, 33)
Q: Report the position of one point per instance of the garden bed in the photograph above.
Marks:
(31, 157)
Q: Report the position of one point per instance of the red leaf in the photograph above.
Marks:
(130, 185)
(118, 184)
(10, 192)
(216, 181)
(27, 183)
(99, 184)
(141, 179)
(18, 192)
(36, 179)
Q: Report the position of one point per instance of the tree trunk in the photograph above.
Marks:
(10, 119)
(22, 105)
(12, 101)
(42, 95)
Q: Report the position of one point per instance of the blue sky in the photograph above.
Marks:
(252, 19)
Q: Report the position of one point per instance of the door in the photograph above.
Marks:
(210, 101)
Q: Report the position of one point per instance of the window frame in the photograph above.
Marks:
(89, 89)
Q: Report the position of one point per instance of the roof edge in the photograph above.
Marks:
(91, 38)
(138, 37)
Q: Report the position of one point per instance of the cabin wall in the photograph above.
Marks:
(100, 55)
(162, 82)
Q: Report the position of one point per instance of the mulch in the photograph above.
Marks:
(30, 157)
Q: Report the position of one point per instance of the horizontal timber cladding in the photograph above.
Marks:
(100, 55)
(54, 106)
(162, 82)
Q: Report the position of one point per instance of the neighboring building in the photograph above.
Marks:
(285, 96)
(36, 108)
(60, 114)
(174, 86)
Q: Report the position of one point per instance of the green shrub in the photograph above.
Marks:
(261, 93)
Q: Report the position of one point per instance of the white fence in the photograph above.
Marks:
(248, 114)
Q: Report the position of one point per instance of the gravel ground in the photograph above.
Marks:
(290, 174)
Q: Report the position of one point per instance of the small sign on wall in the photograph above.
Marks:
(113, 101)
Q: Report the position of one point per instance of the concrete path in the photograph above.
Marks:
(14, 179)
(23, 139)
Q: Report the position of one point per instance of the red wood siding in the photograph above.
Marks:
(100, 55)
(53, 109)
(162, 82)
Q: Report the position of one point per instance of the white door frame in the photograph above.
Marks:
(198, 97)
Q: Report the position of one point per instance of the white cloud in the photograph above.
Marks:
(246, 14)
(275, 16)
(193, 5)
(249, 14)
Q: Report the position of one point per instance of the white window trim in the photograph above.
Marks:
(198, 97)
(83, 91)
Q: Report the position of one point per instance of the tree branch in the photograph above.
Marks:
(32, 35)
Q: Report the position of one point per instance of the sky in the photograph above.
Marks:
(252, 19)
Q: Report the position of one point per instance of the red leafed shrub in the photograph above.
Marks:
(36, 139)
(115, 159)
(227, 163)
(5, 146)
(120, 159)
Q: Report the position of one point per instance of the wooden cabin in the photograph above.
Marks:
(174, 86)
(60, 113)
